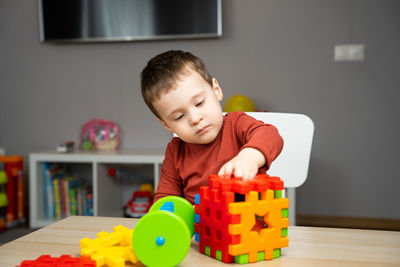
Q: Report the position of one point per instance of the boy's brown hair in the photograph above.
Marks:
(162, 71)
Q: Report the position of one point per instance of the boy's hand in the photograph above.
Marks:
(245, 165)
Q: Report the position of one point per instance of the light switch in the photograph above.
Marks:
(350, 52)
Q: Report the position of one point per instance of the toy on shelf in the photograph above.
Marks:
(66, 147)
(99, 134)
(140, 202)
(62, 261)
(3, 200)
(242, 221)
(162, 237)
(13, 166)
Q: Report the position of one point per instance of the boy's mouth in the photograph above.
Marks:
(203, 129)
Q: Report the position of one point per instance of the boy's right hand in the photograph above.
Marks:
(245, 165)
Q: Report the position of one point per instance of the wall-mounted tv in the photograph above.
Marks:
(128, 20)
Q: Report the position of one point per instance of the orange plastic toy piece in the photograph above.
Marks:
(242, 221)
(63, 261)
(111, 249)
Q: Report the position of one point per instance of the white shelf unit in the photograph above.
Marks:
(108, 195)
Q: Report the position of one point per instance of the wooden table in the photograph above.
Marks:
(307, 245)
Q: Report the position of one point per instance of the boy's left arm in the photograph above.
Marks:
(262, 144)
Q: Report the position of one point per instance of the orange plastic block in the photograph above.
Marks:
(63, 261)
(111, 249)
(253, 239)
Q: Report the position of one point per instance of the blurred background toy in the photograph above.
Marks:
(140, 202)
(66, 147)
(239, 103)
(13, 166)
(3, 200)
(99, 134)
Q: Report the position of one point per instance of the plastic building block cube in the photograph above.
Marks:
(63, 261)
(111, 249)
(242, 221)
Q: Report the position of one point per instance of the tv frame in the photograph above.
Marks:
(131, 38)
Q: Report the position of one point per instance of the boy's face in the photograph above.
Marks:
(192, 110)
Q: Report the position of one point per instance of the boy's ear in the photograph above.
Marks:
(217, 90)
(165, 125)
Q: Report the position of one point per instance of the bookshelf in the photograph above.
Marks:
(109, 195)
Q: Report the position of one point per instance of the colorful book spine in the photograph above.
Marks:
(89, 204)
(57, 198)
(72, 199)
(48, 191)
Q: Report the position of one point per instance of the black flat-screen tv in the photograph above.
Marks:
(128, 20)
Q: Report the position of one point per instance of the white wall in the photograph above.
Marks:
(279, 53)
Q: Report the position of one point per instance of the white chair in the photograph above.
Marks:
(291, 165)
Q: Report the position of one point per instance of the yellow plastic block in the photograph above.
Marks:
(112, 249)
(253, 239)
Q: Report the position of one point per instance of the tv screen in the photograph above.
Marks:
(128, 20)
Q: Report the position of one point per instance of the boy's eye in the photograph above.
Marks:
(178, 117)
(199, 103)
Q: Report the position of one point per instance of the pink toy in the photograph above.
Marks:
(99, 134)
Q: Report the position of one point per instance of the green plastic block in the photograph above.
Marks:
(242, 259)
(277, 253)
(218, 255)
(207, 251)
(285, 213)
(284, 232)
(260, 256)
(278, 194)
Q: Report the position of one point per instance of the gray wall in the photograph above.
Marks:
(279, 53)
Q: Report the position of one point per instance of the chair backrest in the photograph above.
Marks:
(297, 131)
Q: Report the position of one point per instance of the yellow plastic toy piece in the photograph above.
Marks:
(111, 249)
(259, 239)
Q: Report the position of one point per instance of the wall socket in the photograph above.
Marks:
(349, 52)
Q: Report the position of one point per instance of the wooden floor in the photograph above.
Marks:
(348, 222)
(13, 233)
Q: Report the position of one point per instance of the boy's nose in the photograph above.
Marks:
(195, 118)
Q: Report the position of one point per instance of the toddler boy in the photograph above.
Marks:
(178, 89)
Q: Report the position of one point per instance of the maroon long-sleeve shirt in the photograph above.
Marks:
(187, 166)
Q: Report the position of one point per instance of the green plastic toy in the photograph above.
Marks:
(162, 237)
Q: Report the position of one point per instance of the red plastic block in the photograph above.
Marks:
(62, 261)
(214, 222)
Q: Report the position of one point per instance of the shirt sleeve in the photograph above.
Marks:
(256, 134)
(170, 184)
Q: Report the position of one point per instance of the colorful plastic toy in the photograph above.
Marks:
(99, 134)
(162, 237)
(242, 221)
(111, 249)
(13, 166)
(139, 204)
(3, 200)
(62, 261)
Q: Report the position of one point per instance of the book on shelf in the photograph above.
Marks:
(64, 195)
